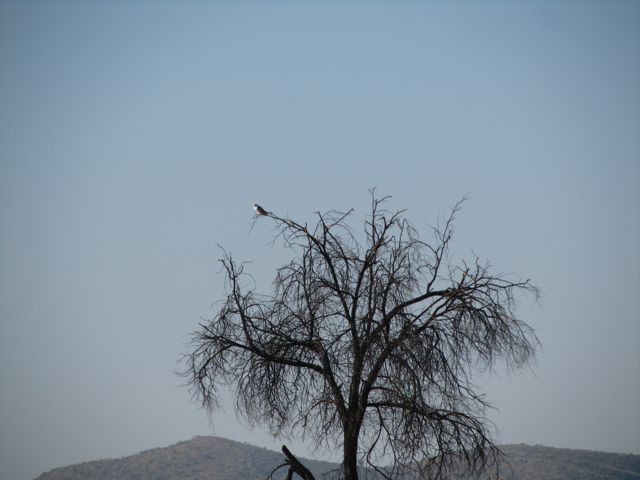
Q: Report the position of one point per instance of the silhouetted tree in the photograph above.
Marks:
(369, 342)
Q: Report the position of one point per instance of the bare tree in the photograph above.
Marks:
(368, 342)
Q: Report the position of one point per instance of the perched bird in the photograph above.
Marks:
(259, 210)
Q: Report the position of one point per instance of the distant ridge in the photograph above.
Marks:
(539, 462)
(216, 458)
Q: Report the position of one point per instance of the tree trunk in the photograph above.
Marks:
(350, 448)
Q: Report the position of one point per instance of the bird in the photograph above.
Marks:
(259, 210)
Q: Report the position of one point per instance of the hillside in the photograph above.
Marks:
(202, 458)
(215, 458)
(529, 463)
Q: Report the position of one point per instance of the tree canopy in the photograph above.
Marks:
(368, 342)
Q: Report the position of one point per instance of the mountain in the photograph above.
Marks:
(529, 463)
(215, 458)
(202, 458)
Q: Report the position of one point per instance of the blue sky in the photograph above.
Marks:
(135, 136)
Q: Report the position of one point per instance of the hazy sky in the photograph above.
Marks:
(135, 136)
